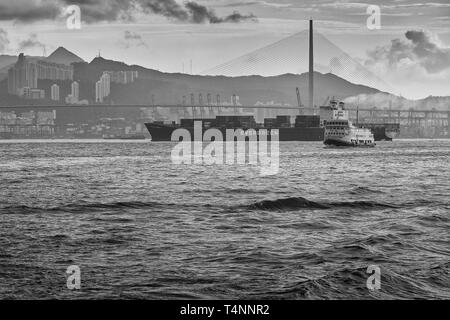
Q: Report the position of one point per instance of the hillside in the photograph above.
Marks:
(169, 88)
(6, 60)
(384, 101)
(63, 56)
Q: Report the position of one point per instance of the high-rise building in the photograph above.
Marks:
(98, 92)
(12, 87)
(103, 87)
(55, 92)
(123, 77)
(22, 74)
(106, 83)
(74, 96)
(26, 73)
(32, 75)
(54, 71)
(75, 91)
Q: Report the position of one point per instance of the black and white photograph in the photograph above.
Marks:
(243, 151)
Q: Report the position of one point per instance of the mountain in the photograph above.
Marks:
(6, 60)
(5, 63)
(383, 100)
(63, 56)
(169, 88)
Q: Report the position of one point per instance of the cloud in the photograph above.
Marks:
(432, 54)
(114, 10)
(166, 8)
(423, 49)
(102, 10)
(237, 17)
(30, 43)
(418, 65)
(130, 35)
(133, 39)
(190, 12)
(4, 41)
(201, 14)
(29, 10)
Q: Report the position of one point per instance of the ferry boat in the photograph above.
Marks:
(340, 131)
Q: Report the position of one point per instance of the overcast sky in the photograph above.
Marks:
(167, 34)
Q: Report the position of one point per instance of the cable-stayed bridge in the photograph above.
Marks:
(290, 55)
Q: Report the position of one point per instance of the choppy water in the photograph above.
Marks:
(139, 226)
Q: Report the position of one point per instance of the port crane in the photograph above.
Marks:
(299, 100)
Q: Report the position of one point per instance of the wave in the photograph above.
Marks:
(292, 203)
(302, 203)
(287, 203)
(82, 207)
(364, 190)
(350, 283)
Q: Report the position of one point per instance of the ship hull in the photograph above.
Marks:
(161, 132)
(380, 132)
(345, 143)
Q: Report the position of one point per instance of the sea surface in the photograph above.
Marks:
(140, 227)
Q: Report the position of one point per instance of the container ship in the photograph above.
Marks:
(383, 131)
(305, 128)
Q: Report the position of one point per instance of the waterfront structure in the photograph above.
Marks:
(27, 124)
